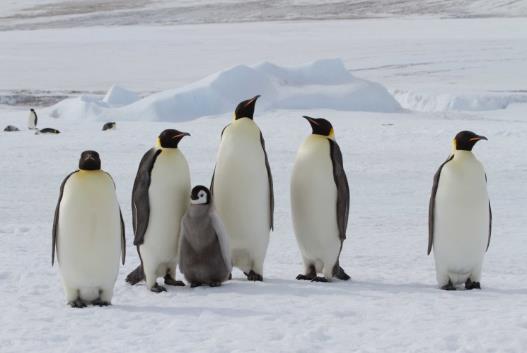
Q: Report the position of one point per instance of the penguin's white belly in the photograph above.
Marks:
(461, 219)
(89, 233)
(169, 195)
(314, 202)
(241, 190)
(31, 121)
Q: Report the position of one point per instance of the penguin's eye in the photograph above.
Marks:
(201, 194)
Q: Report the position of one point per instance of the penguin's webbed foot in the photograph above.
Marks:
(99, 302)
(341, 274)
(195, 284)
(136, 276)
(319, 279)
(158, 289)
(448, 286)
(77, 303)
(169, 281)
(214, 284)
(472, 285)
(308, 277)
(253, 276)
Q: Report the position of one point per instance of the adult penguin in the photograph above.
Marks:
(242, 187)
(320, 203)
(32, 119)
(88, 234)
(460, 217)
(160, 198)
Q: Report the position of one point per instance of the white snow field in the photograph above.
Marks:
(392, 303)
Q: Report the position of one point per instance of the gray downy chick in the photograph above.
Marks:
(204, 249)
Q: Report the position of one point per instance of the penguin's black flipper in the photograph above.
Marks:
(490, 221)
(140, 199)
(431, 207)
(54, 232)
(271, 189)
(123, 238)
(343, 192)
(136, 276)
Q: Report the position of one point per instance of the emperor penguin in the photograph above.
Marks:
(88, 234)
(47, 131)
(32, 119)
(204, 252)
(109, 126)
(160, 198)
(320, 203)
(242, 186)
(11, 128)
(460, 217)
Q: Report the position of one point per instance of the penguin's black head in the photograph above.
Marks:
(465, 140)
(321, 127)
(170, 138)
(200, 195)
(33, 110)
(246, 108)
(89, 161)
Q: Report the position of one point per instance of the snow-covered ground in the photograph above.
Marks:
(392, 303)
(33, 14)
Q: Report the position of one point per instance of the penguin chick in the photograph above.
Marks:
(204, 249)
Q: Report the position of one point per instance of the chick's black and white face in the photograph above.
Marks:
(200, 195)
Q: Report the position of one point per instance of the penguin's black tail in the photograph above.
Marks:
(340, 273)
(136, 275)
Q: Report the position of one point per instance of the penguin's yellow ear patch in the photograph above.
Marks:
(158, 142)
(332, 133)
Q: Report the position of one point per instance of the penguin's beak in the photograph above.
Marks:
(314, 124)
(252, 100)
(477, 138)
(180, 135)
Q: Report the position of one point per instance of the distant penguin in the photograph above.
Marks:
(242, 187)
(108, 126)
(320, 203)
(460, 217)
(88, 234)
(160, 198)
(32, 119)
(204, 253)
(47, 130)
(11, 128)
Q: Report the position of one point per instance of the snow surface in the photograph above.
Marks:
(324, 84)
(32, 14)
(391, 304)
